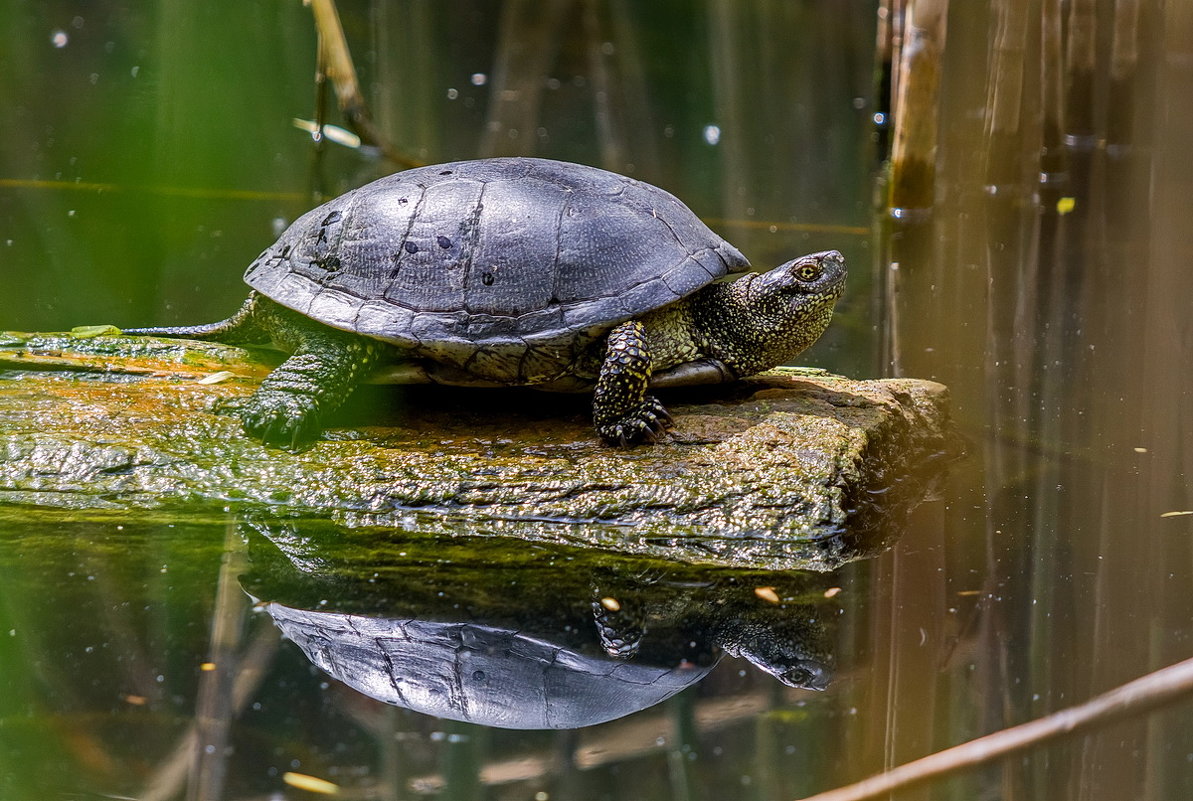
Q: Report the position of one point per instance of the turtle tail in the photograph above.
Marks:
(241, 327)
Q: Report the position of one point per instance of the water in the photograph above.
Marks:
(150, 154)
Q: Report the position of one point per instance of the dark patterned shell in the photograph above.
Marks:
(504, 267)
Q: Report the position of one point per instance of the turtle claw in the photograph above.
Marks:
(282, 419)
(645, 424)
(619, 628)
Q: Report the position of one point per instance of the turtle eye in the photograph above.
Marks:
(808, 272)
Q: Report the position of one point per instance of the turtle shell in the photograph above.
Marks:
(504, 267)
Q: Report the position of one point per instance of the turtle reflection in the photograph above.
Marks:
(533, 648)
(483, 673)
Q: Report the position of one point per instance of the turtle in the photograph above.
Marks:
(513, 272)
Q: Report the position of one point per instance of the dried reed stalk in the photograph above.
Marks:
(1145, 694)
(335, 62)
(1124, 63)
(1053, 155)
(1081, 65)
(913, 158)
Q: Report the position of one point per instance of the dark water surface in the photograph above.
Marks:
(148, 156)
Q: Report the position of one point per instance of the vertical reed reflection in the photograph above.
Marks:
(215, 706)
(1064, 248)
(913, 157)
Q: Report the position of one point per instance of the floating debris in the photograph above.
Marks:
(332, 133)
(311, 784)
(767, 594)
(92, 331)
(216, 378)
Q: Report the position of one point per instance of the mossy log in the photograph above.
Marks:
(791, 468)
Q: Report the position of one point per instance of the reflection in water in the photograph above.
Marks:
(134, 666)
(479, 673)
(515, 648)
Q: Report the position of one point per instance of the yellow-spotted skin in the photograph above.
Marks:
(622, 412)
(752, 324)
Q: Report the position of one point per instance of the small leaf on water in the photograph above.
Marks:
(767, 594)
(1178, 514)
(215, 378)
(1065, 205)
(310, 783)
(90, 331)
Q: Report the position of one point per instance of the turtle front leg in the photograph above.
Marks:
(621, 410)
(325, 366)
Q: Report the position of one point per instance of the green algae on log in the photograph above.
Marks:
(787, 469)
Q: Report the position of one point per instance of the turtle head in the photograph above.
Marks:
(767, 319)
(813, 280)
(806, 674)
(788, 645)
